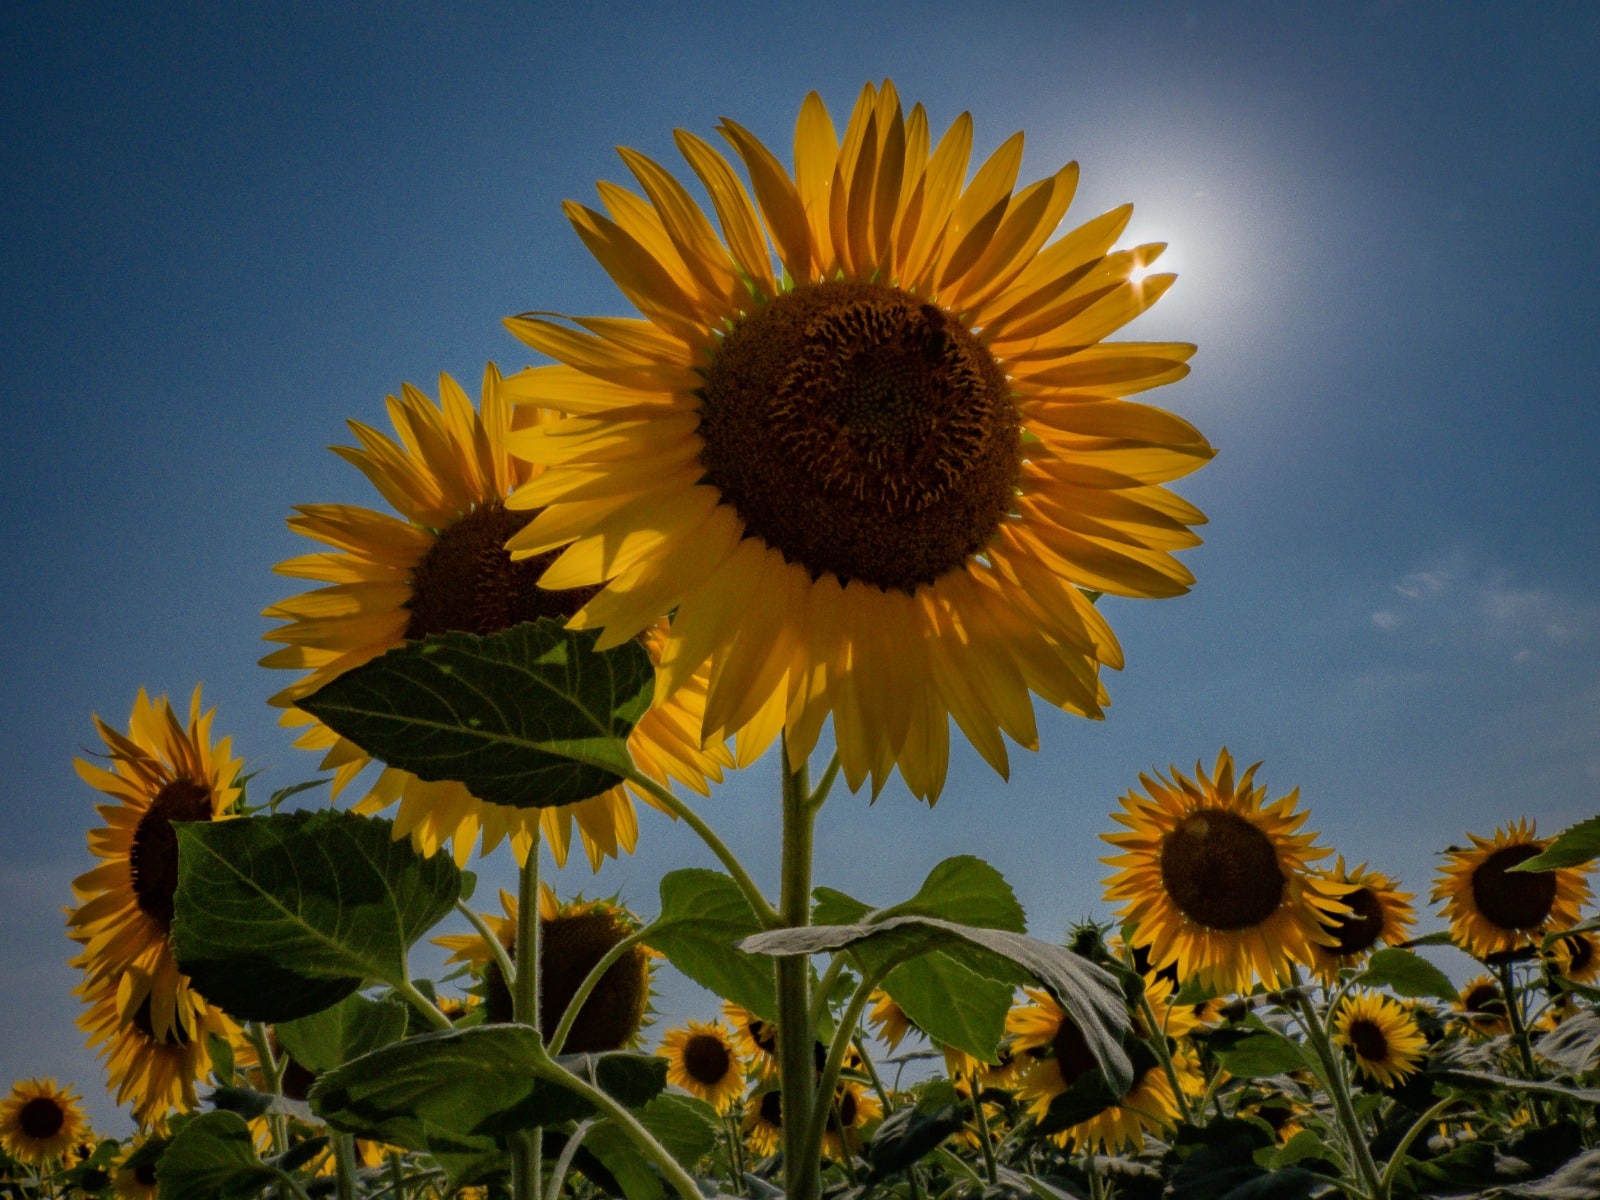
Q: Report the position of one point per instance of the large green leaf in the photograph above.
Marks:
(213, 1156)
(1572, 848)
(703, 913)
(278, 917)
(953, 1005)
(1256, 1053)
(349, 1029)
(462, 1091)
(1089, 995)
(685, 1127)
(1407, 974)
(531, 717)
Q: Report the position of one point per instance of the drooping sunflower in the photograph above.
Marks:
(854, 1109)
(762, 1124)
(438, 566)
(161, 771)
(155, 1073)
(701, 1059)
(1379, 912)
(1574, 957)
(1216, 879)
(1042, 1031)
(1491, 908)
(1481, 1006)
(573, 937)
(40, 1121)
(874, 480)
(755, 1038)
(1385, 1041)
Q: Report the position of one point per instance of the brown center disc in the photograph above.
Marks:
(1368, 1040)
(1221, 871)
(706, 1059)
(41, 1118)
(861, 432)
(1358, 932)
(153, 856)
(1513, 900)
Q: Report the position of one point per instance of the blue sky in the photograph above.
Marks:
(226, 230)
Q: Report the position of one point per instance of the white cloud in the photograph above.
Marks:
(1386, 620)
(1478, 608)
(1421, 585)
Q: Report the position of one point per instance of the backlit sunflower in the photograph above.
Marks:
(702, 1061)
(136, 1181)
(755, 1038)
(854, 1108)
(1481, 1006)
(161, 771)
(889, 1020)
(873, 478)
(440, 565)
(39, 1121)
(762, 1124)
(1385, 1041)
(1216, 880)
(573, 938)
(1042, 1031)
(1492, 908)
(1379, 912)
(1574, 957)
(154, 1073)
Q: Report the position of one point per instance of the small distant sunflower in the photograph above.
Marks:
(39, 1121)
(161, 771)
(1481, 1006)
(1574, 957)
(702, 1061)
(1386, 1042)
(136, 1182)
(854, 1108)
(755, 1037)
(763, 1121)
(439, 566)
(1379, 912)
(573, 937)
(1216, 881)
(1044, 1032)
(1492, 908)
(889, 1020)
(874, 482)
(155, 1073)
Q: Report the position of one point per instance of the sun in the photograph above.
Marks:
(877, 481)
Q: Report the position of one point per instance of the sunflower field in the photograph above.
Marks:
(864, 462)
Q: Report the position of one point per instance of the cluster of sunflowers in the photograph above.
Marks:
(864, 461)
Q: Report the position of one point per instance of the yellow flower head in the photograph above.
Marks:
(133, 1182)
(1382, 1036)
(873, 479)
(440, 566)
(701, 1059)
(1574, 957)
(162, 770)
(854, 1108)
(39, 1121)
(1379, 912)
(1215, 879)
(889, 1020)
(1491, 908)
(755, 1037)
(762, 1124)
(1481, 1006)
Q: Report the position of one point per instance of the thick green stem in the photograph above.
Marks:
(525, 1008)
(591, 981)
(797, 1078)
(272, 1081)
(830, 975)
(344, 1165)
(1317, 1035)
(1519, 1027)
(817, 1122)
(985, 1140)
(1158, 1043)
(1399, 1155)
(408, 991)
(764, 911)
(819, 794)
(558, 1173)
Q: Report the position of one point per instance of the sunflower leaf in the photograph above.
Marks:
(281, 916)
(213, 1155)
(530, 717)
(1257, 1054)
(1089, 995)
(684, 1126)
(1573, 1045)
(349, 1029)
(951, 1004)
(703, 913)
(1572, 848)
(1407, 974)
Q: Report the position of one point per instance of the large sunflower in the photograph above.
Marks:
(440, 565)
(1491, 908)
(39, 1121)
(1379, 912)
(161, 771)
(1216, 880)
(701, 1059)
(1382, 1036)
(876, 481)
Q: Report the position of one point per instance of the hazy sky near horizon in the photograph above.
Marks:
(228, 229)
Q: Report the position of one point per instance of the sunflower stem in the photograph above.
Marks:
(272, 1081)
(344, 1167)
(525, 1167)
(591, 981)
(508, 969)
(1158, 1042)
(985, 1138)
(1519, 1027)
(797, 1079)
(1338, 1089)
(412, 995)
(763, 909)
(819, 1001)
(1399, 1155)
(558, 1173)
(819, 794)
(817, 1121)
(730, 1127)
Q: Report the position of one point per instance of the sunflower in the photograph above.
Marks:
(1216, 880)
(1379, 912)
(889, 1020)
(154, 1072)
(1574, 957)
(1493, 909)
(854, 1108)
(160, 772)
(440, 566)
(762, 1124)
(1044, 1032)
(40, 1121)
(877, 481)
(755, 1038)
(702, 1061)
(1481, 1006)
(135, 1182)
(1385, 1040)
(573, 937)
